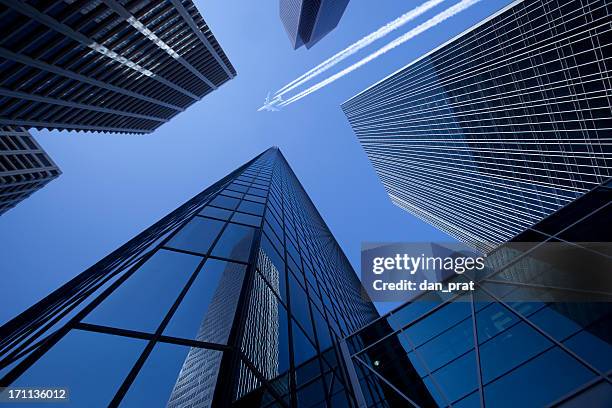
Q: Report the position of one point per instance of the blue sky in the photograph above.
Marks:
(114, 186)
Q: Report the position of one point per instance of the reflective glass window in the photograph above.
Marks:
(541, 381)
(235, 243)
(299, 305)
(458, 378)
(229, 203)
(251, 207)
(247, 219)
(197, 236)
(161, 379)
(92, 366)
(303, 349)
(207, 311)
(592, 348)
(143, 300)
(509, 349)
(216, 213)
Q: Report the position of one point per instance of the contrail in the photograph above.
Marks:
(364, 42)
(449, 12)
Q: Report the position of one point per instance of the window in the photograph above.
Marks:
(509, 349)
(235, 243)
(161, 374)
(541, 381)
(91, 365)
(197, 236)
(247, 219)
(303, 349)
(207, 310)
(251, 207)
(144, 299)
(459, 378)
(229, 203)
(216, 213)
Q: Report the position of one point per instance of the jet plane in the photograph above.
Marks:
(271, 105)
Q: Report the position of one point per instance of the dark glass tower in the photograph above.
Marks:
(514, 342)
(239, 297)
(108, 66)
(500, 127)
(24, 166)
(308, 21)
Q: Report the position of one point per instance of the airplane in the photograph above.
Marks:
(271, 105)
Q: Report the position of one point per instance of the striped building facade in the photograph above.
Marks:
(498, 128)
(105, 65)
(24, 166)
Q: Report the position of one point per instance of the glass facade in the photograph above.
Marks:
(24, 166)
(487, 348)
(107, 66)
(239, 297)
(495, 130)
(308, 21)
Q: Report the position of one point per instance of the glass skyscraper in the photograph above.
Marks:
(24, 166)
(498, 128)
(308, 21)
(514, 341)
(239, 297)
(105, 65)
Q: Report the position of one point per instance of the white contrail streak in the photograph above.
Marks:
(364, 42)
(449, 12)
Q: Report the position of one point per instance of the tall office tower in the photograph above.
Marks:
(308, 21)
(499, 127)
(514, 341)
(24, 166)
(105, 65)
(239, 297)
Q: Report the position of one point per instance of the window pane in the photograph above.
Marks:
(492, 320)
(216, 213)
(302, 347)
(143, 300)
(509, 349)
(272, 269)
(448, 345)
(592, 348)
(299, 305)
(438, 322)
(91, 365)
(459, 377)
(311, 395)
(542, 381)
(207, 311)
(235, 243)
(229, 203)
(268, 327)
(197, 236)
(251, 207)
(247, 219)
(161, 374)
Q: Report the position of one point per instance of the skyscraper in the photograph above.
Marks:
(308, 21)
(513, 342)
(240, 296)
(109, 66)
(501, 126)
(24, 166)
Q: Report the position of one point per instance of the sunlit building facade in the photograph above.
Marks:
(107, 66)
(240, 297)
(24, 166)
(498, 128)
